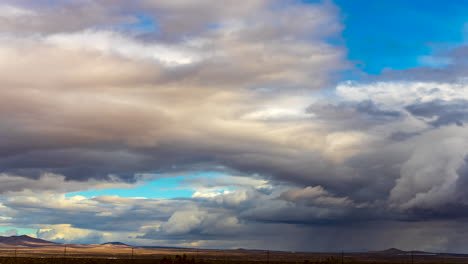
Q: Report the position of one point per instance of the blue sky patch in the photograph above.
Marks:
(145, 24)
(20, 231)
(164, 188)
(399, 34)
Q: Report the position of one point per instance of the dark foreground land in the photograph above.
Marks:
(28, 250)
(353, 258)
(7, 260)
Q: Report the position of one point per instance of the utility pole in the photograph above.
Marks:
(132, 252)
(64, 253)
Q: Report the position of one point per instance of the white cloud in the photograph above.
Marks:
(66, 233)
(277, 114)
(182, 222)
(9, 11)
(396, 95)
(109, 43)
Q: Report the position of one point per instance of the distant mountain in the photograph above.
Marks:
(115, 244)
(396, 251)
(24, 240)
(390, 251)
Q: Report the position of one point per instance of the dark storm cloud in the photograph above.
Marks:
(370, 109)
(401, 136)
(353, 114)
(455, 206)
(441, 112)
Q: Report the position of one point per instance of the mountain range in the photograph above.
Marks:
(24, 241)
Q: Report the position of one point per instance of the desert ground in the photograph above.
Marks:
(24, 249)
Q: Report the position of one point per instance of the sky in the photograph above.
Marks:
(265, 124)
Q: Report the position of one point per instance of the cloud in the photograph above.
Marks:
(101, 101)
(399, 93)
(64, 233)
(429, 178)
(32, 17)
(352, 115)
(16, 185)
(114, 43)
(439, 113)
(314, 196)
(11, 12)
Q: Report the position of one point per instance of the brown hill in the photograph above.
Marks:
(25, 241)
